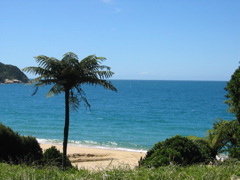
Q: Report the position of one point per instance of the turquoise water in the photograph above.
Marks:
(140, 114)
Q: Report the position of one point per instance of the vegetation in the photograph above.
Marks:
(11, 72)
(176, 150)
(233, 94)
(187, 152)
(67, 76)
(223, 136)
(234, 152)
(53, 157)
(17, 149)
(197, 172)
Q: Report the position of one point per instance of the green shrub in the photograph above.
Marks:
(31, 149)
(176, 150)
(18, 149)
(53, 157)
(235, 153)
(205, 149)
(8, 142)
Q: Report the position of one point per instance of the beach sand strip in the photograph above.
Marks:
(99, 159)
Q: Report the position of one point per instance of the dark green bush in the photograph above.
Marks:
(18, 149)
(31, 148)
(205, 149)
(176, 150)
(235, 153)
(53, 157)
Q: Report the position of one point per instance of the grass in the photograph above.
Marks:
(221, 172)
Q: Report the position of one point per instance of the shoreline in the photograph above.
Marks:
(43, 141)
(99, 159)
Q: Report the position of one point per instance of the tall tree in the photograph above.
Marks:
(67, 76)
(233, 95)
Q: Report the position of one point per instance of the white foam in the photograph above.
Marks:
(91, 144)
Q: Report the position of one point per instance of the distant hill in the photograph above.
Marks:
(12, 73)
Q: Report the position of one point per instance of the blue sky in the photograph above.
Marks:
(156, 39)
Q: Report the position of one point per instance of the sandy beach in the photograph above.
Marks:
(99, 159)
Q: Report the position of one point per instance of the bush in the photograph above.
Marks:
(53, 157)
(235, 153)
(31, 149)
(18, 149)
(176, 150)
(205, 149)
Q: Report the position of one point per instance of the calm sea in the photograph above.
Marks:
(140, 114)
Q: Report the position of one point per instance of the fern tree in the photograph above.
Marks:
(67, 76)
(223, 136)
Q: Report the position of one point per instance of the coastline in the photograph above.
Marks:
(97, 159)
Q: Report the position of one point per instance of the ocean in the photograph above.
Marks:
(140, 114)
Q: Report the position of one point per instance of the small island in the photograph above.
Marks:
(10, 74)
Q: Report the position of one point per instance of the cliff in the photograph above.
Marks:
(11, 74)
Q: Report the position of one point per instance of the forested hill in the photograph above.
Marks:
(11, 74)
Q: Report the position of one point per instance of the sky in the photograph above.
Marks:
(141, 39)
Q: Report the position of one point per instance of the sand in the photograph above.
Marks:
(99, 159)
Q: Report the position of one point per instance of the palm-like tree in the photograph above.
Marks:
(223, 136)
(67, 76)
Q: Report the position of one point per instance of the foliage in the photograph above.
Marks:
(176, 150)
(234, 152)
(233, 95)
(53, 157)
(67, 76)
(18, 149)
(231, 171)
(231, 130)
(11, 72)
(70, 74)
(204, 147)
(224, 136)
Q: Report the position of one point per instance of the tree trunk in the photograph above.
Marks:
(66, 128)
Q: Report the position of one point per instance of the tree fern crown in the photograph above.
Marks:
(68, 74)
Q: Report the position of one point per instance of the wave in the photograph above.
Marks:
(93, 144)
